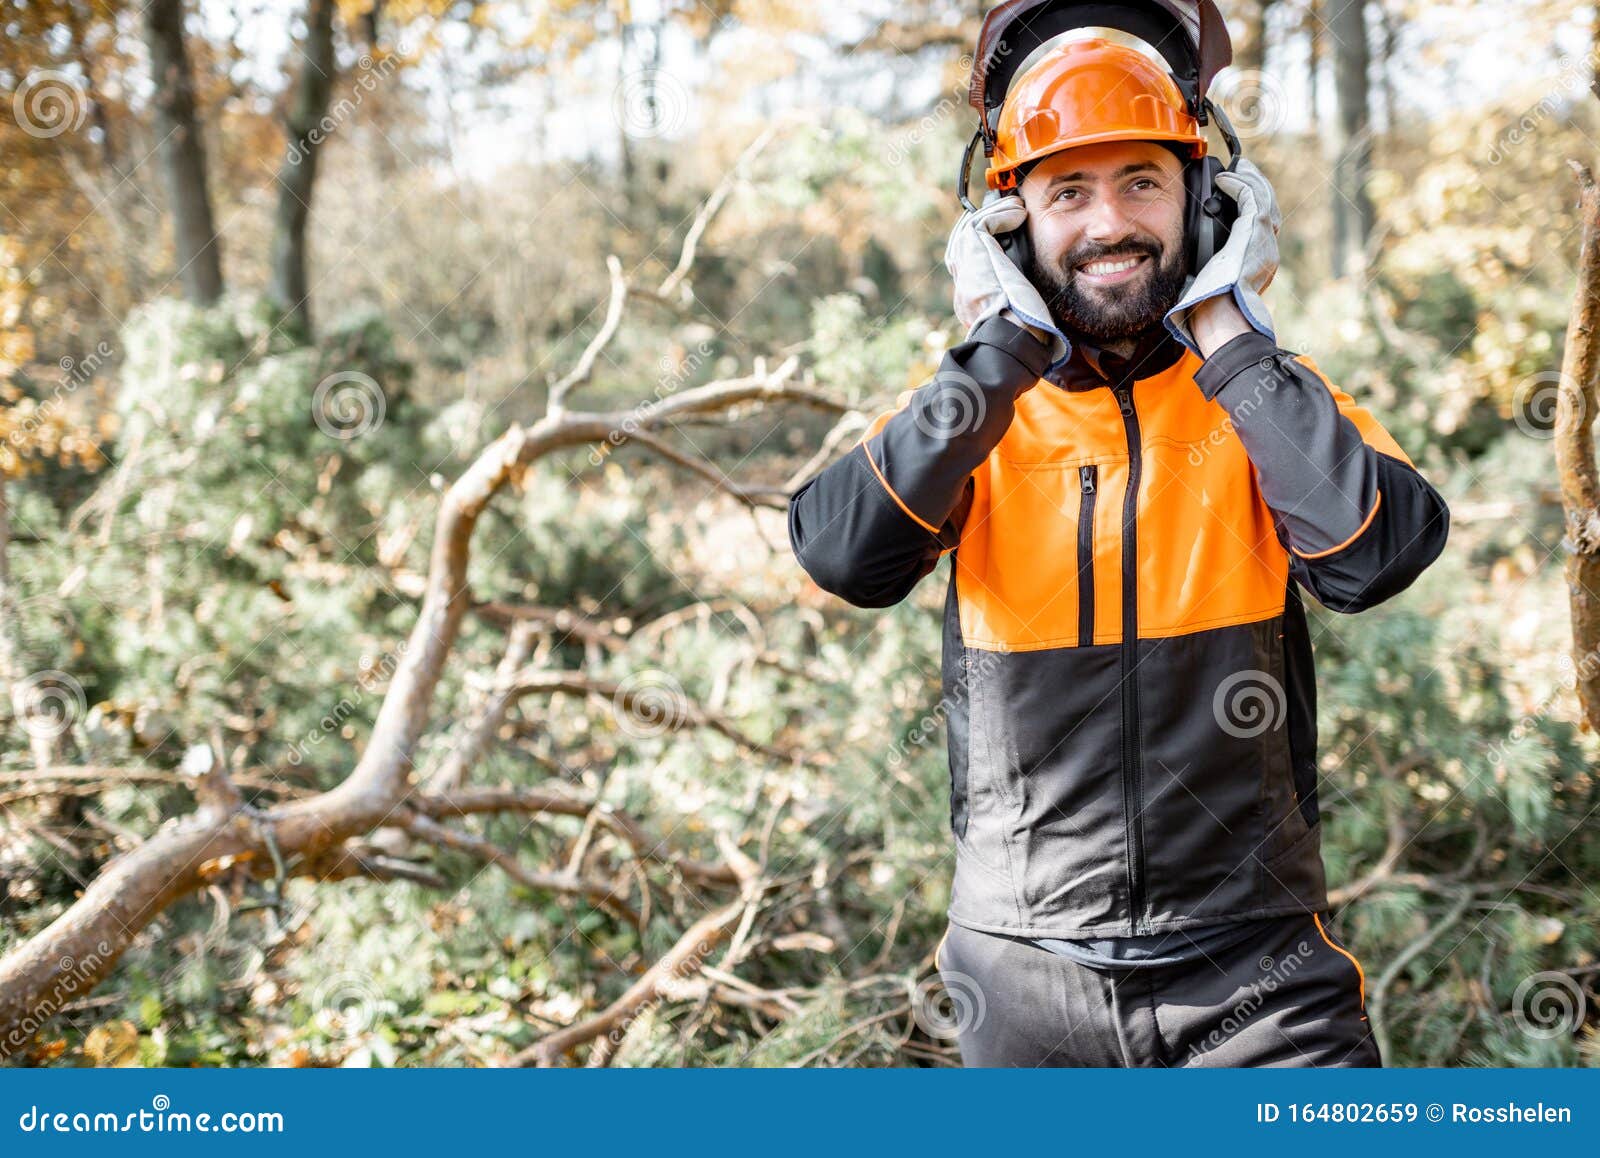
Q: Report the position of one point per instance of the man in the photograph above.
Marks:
(1132, 479)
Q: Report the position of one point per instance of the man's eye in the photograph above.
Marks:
(1066, 193)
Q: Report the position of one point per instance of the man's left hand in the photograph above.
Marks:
(1226, 295)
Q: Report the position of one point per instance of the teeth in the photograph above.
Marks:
(1102, 268)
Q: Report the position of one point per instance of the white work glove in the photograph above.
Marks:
(1245, 266)
(988, 282)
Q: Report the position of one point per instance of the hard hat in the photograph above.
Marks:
(1083, 92)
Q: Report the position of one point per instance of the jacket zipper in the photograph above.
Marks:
(1086, 479)
(1133, 779)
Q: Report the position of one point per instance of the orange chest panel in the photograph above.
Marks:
(1054, 554)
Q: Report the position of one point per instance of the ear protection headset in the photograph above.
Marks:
(1208, 213)
(1191, 38)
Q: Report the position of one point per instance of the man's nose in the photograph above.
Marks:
(1108, 222)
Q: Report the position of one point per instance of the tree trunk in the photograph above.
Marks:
(1252, 54)
(1578, 401)
(183, 154)
(1314, 65)
(1353, 216)
(304, 130)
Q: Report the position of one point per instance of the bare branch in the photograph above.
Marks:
(608, 330)
(682, 961)
(534, 801)
(596, 892)
(684, 712)
(708, 210)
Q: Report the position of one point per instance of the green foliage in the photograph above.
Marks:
(238, 568)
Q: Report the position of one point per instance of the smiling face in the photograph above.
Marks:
(1106, 223)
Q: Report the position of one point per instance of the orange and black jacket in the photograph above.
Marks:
(1127, 670)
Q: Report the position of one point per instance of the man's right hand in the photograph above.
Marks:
(988, 282)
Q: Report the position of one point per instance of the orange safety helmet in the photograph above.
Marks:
(1082, 92)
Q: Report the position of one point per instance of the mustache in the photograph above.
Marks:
(1081, 257)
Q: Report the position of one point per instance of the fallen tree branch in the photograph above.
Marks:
(682, 961)
(596, 892)
(534, 801)
(79, 948)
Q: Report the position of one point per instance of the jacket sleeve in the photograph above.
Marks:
(1358, 519)
(868, 527)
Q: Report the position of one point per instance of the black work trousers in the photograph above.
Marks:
(1293, 997)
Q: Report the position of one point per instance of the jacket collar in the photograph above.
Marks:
(1092, 366)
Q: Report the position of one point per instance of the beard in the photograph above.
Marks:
(1118, 312)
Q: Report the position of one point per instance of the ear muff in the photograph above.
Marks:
(1017, 245)
(1209, 213)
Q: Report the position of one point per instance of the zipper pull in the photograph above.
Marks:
(1086, 475)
